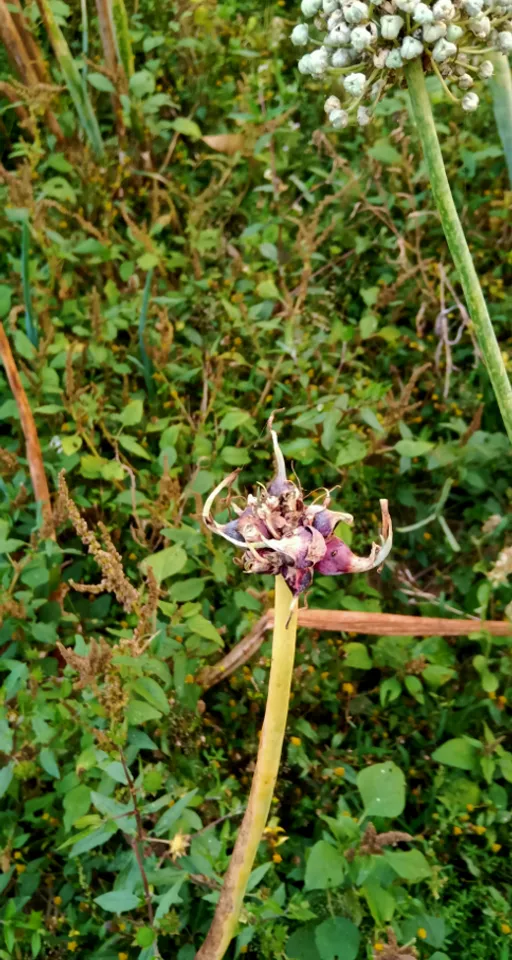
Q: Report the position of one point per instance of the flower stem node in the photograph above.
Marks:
(281, 534)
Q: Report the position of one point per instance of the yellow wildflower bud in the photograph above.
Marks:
(421, 933)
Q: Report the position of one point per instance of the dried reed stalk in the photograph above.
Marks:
(34, 455)
(335, 621)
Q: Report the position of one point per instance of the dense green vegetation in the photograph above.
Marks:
(227, 257)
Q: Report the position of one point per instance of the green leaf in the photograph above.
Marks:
(166, 563)
(133, 447)
(257, 875)
(382, 788)
(409, 864)
(94, 839)
(235, 419)
(49, 763)
(200, 625)
(436, 675)
(117, 901)
(302, 945)
(413, 448)
(458, 752)
(100, 82)
(5, 299)
(337, 939)
(384, 152)
(169, 818)
(152, 692)
(506, 765)
(6, 775)
(352, 451)
(357, 656)
(390, 690)
(187, 127)
(267, 290)
(140, 712)
(235, 456)
(71, 444)
(132, 413)
(380, 901)
(185, 590)
(325, 867)
(170, 898)
(59, 189)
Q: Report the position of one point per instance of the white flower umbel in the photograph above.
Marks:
(339, 119)
(370, 46)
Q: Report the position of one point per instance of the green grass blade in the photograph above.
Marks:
(146, 361)
(30, 326)
(85, 46)
(501, 86)
(79, 95)
(122, 35)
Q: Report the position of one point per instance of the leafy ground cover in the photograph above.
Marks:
(242, 259)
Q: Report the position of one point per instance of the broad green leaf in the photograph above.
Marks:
(325, 867)
(384, 152)
(170, 898)
(183, 591)
(409, 864)
(380, 901)
(5, 299)
(140, 712)
(302, 945)
(382, 788)
(413, 448)
(151, 691)
(118, 901)
(267, 290)
(257, 875)
(457, 752)
(128, 443)
(235, 456)
(337, 939)
(173, 813)
(200, 625)
(94, 839)
(132, 413)
(186, 126)
(166, 563)
(505, 762)
(389, 690)
(353, 450)
(6, 775)
(235, 419)
(357, 656)
(100, 82)
(435, 675)
(49, 763)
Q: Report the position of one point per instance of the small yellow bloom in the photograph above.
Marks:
(339, 771)
(464, 816)
(348, 688)
(132, 556)
(244, 949)
(378, 947)
(427, 535)
(457, 831)
(505, 928)
(122, 956)
(470, 807)
(492, 695)
(20, 868)
(18, 855)
(324, 675)
(57, 901)
(480, 830)
(296, 741)
(189, 678)
(72, 945)
(495, 847)
(45, 816)
(277, 858)
(421, 933)
(74, 933)
(122, 926)
(502, 701)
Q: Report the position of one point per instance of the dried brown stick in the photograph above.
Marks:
(22, 60)
(376, 624)
(34, 455)
(108, 42)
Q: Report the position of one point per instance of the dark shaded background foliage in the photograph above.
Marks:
(307, 274)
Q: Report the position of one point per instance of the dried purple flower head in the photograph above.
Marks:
(279, 533)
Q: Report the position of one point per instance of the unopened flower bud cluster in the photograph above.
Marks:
(363, 45)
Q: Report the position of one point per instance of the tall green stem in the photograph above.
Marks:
(501, 86)
(267, 765)
(456, 240)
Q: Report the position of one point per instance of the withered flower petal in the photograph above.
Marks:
(280, 534)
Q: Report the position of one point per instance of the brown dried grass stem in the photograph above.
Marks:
(336, 621)
(34, 455)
